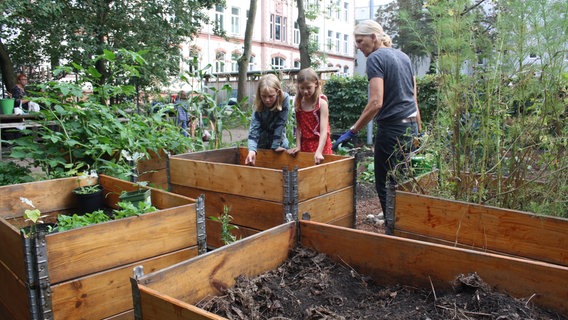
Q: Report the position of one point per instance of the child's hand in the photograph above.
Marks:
(280, 149)
(251, 158)
(318, 157)
(293, 151)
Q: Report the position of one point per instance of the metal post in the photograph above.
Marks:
(201, 232)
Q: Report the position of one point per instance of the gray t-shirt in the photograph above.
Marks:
(395, 68)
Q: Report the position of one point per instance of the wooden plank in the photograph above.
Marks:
(254, 213)
(11, 253)
(13, 295)
(106, 293)
(329, 206)
(347, 221)
(226, 155)
(325, 178)
(279, 160)
(254, 182)
(47, 195)
(128, 315)
(484, 227)
(393, 260)
(87, 250)
(214, 233)
(210, 273)
(156, 306)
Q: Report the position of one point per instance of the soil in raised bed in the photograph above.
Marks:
(311, 286)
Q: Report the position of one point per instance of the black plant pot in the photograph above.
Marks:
(87, 203)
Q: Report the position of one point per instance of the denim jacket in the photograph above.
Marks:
(268, 128)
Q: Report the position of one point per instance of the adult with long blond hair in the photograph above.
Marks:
(392, 102)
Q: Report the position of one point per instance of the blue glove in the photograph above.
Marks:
(344, 138)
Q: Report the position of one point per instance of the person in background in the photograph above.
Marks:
(182, 110)
(312, 116)
(268, 126)
(392, 102)
(19, 94)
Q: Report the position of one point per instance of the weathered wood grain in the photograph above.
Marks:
(103, 294)
(482, 227)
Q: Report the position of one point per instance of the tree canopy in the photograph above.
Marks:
(57, 32)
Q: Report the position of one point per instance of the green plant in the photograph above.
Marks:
(12, 173)
(87, 189)
(226, 227)
(86, 131)
(347, 98)
(34, 215)
(368, 173)
(68, 222)
(128, 209)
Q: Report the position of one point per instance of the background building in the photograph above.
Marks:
(276, 36)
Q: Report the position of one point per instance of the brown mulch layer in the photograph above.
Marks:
(311, 286)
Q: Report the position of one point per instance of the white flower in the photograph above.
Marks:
(135, 157)
(93, 174)
(27, 201)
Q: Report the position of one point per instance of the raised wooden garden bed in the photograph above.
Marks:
(262, 196)
(173, 292)
(479, 227)
(84, 273)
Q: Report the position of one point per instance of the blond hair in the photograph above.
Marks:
(269, 81)
(368, 27)
(307, 75)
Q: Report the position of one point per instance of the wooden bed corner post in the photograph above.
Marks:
(390, 209)
(356, 160)
(37, 276)
(201, 231)
(290, 194)
(137, 273)
(169, 181)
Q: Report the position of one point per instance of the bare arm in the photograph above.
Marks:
(374, 104)
(324, 123)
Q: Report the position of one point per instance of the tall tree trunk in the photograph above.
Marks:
(8, 74)
(305, 60)
(244, 59)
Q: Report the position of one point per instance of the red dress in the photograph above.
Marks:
(308, 123)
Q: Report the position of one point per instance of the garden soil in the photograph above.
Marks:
(310, 286)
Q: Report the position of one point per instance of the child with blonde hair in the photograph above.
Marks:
(268, 126)
(312, 116)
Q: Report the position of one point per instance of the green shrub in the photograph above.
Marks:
(347, 98)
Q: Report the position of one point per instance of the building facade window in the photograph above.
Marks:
(329, 40)
(296, 33)
(314, 36)
(220, 61)
(346, 11)
(252, 62)
(337, 42)
(345, 44)
(278, 63)
(297, 64)
(278, 27)
(235, 20)
(234, 61)
(219, 17)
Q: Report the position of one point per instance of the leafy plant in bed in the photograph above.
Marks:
(127, 209)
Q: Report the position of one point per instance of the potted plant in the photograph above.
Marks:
(141, 194)
(89, 197)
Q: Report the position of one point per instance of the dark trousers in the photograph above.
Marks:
(392, 143)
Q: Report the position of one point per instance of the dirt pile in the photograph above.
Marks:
(311, 286)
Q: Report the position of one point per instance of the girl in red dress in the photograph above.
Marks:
(312, 117)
